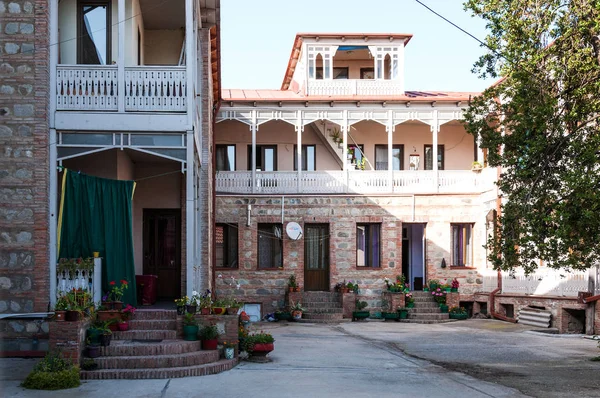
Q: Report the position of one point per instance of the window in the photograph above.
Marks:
(226, 238)
(381, 157)
(367, 245)
(462, 245)
(225, 157)
(266, 157)
(355, 156)
(429, 157)
(270, 246)
(338, 73)
(309, 159)
(93, 24)
(367, 73)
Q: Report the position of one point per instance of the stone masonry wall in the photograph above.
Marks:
(24, 88)
(342, 213)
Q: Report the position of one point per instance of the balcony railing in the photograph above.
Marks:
(95, 88)
(363, 87)
(546, 283)
(360, 182)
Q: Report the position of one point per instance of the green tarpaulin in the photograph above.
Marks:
(96, 216)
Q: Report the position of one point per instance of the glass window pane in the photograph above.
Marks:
(269, 159)
(397, 158)
(361, 243)
(87, 139)
(155, 140)
(94, 34)
(310, 158)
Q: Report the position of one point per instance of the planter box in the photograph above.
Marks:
(459, 316)
(356, 315)
(390, 315)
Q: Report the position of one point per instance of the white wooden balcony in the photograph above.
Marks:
(362, 87)
(355, 181)
(146, 88)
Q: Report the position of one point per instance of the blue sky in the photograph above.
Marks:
(257, 37)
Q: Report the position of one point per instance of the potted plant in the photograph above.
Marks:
(93, 350)
(292, 285)
(180, 304)
(190, 327)
(117, 292)
(454, 286)
(476, 167)
(191, 305)
(433, 284)
(93, 333)
(403, 313)
(352, 287)
(359, 313)
(127, 312)
(219, 307)
(89, 364)
(409, 300)
(283, 315)
(229, 348)
(233, 306)
(297, 310)
(446, 288)
(106, 335)
(123, 325)
(458, 313)
(60, 309)
(209, 335)
(205, 303)
(259, 344)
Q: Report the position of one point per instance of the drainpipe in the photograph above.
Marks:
(493, 312)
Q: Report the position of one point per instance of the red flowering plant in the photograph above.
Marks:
(455, 283)
(117, 292)
(128, 312)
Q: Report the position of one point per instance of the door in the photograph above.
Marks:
(316, 257)
(162, 250)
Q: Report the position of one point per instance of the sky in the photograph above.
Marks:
(257, 38)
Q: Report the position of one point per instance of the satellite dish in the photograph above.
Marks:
(293, 230)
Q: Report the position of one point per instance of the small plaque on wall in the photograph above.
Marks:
(413, 162)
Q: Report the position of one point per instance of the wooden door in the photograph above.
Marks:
(316, 257)
(162, 250)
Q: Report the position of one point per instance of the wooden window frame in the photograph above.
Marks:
(369, 254)
(80, 33)
(443, 162)
(258, 231)
(304, 157)
(394, 146)
(261, 148)
(219, 146)
(465, 265)
(228, 229)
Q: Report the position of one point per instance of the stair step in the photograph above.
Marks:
(324, 311)
(145, 335)
(424, 310)
(158, 361)
(160, 373)
(423, 299)
(321, 305)
(153, 324)
(164, 347)
(142, 314)
(429, 316)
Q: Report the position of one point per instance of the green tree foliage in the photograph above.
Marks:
(540, 123)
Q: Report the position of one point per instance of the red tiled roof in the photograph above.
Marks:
(287, 95)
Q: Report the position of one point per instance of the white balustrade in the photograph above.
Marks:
(490, 280)
(353, 181)
(86, 87)
(545, 283)
(366, 87)
(149, 88)
(90, 281)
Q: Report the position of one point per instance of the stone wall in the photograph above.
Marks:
(24, 88)
(341, 213)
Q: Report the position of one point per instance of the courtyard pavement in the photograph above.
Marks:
(478, 358)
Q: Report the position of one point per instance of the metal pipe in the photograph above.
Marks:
(282, 208)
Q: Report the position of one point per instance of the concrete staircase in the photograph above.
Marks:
(426, 310)
(151, 350)
(322, 307)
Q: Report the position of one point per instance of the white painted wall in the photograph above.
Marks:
(133, 25)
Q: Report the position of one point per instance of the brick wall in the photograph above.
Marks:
(597, 318)
(453, 299)
(69, 338)
(341, 213)
(349, 304)
(393, 301)
(24, 88)
(227, 325)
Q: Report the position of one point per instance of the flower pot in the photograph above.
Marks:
(345, 290)
(454, 289)
(290, 289)
(403, 313)
(181, 310)
(459, 316)
(113, 327)
(108, 315)
(190, 332)
(425, 289)
(390, 316)
(433, 286)
(443, 308)
(297, 315)
(123, 326)
(297, 289)
(94, 336)
(219, 310)
(283, 316)
(358, 315)
(229, 353)
(72, 316)
(93, 351)
(210, 344)
(262, 349)
(204, 311)
(117, 305)
(410, 305)
(448, 289)
(232, 310)
(191, 309)
(59, 316)
(105, 340)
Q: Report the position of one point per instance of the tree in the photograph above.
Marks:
(540, 123)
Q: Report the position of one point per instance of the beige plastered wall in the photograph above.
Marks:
(458, 145)
(162, 192)
(163, 47)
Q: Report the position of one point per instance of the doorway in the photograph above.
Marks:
(162, 250)
(316, 257)
(413, 254)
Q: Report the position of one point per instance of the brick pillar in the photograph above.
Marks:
(453, 299)
(394, 301)
(349, 304)
(69, 338)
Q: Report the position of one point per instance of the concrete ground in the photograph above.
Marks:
(476, 358)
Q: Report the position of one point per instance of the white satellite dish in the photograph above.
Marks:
(293, 230)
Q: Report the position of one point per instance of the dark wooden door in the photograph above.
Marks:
(316, 257)
(162, 250)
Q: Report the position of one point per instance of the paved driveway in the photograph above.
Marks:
(347, 360)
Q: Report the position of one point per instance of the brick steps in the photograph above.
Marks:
(158, 361)
(312, 305)
(165, 347)
(418, 310)
(145, 335)
(151, 324)
(428, 316)
(160, 373)
(153, 315)
(324, 311)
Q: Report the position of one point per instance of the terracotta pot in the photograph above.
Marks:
(117, 305)
(297, 315)
(113, 327)
(296, 289)
(291, 289)
(210, 344)
(232, 311)
(261, 350)
(59, 316)
(204, 311)
(72, 316)
(218, 310)
(108, 315)
(123, 326)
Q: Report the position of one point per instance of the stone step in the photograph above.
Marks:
(324, 311)
(420, 294)
(145, 335)
(164, 347)
(142, 314)
(161, 324)
(321, 305)
(424, 310)
(426, 299)
(428, 316)
(431, 305)
(321, 299)
(158, 361)
(427, 321)
(160, 373)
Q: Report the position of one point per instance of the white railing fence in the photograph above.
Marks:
(490, 280)
(363, 87)
(155, 88)
(86, 87)
(546, 283)
(90, 281)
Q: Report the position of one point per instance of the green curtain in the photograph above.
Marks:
(96, 216)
